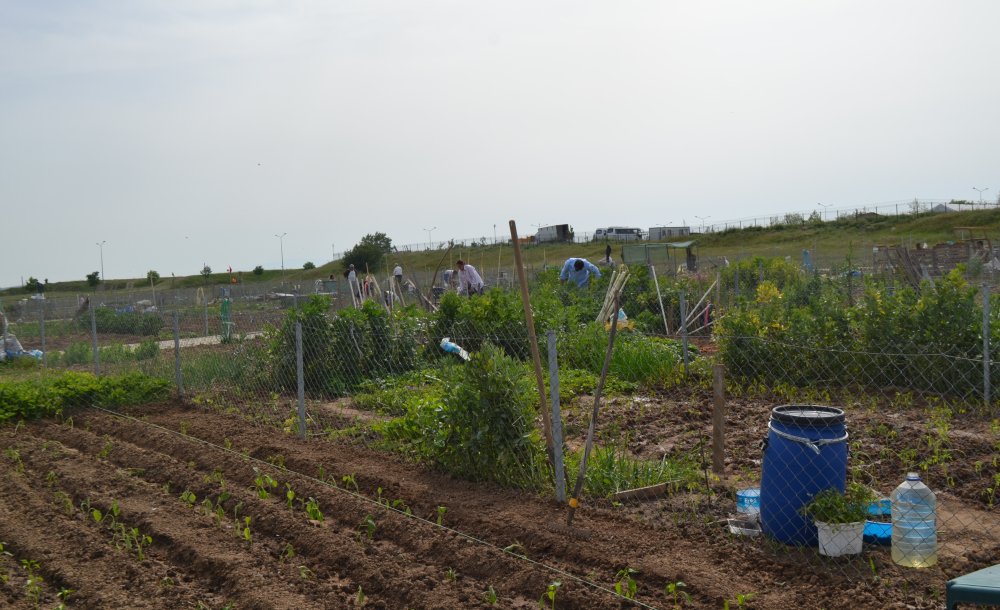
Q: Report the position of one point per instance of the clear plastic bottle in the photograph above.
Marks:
(914, 524)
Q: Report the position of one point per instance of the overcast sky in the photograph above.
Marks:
(183, 132)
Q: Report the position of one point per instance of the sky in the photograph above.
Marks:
(180, 133)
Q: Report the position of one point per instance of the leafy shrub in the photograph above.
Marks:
(77, 353)
(810, 334)
(258, 270)
(342, 352)
(635, 358)
(110, 321)
(482, 428)
(497, 317)
(393, 395)
(308, 265)
(50, 395)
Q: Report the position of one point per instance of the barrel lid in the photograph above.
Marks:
(808, 415)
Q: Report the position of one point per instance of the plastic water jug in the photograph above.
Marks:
(914, 524)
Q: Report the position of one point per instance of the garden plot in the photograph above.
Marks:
(211, 493)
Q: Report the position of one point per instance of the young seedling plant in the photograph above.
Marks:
(263, 483)
(550, 595)
(625, 583)
(33, 585)
(676, 591)
(312, 509)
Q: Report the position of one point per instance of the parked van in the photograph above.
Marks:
(618, 234)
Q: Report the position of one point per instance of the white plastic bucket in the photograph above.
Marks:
(836, 539)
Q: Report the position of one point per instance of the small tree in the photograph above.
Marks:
(152, 276)
(33, 285)
(93, 279)
(258, 270)
(367, 254)
(309, 265)
(206, 271)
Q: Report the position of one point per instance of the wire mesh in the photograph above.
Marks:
(448, 380)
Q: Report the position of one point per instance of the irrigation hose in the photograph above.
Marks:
(364, 498)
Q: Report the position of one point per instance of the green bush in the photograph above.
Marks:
(482, 428)
(56, 394)
(635, 358)
(80, 352)
(342, 352)
(812, 335)
(110, 321)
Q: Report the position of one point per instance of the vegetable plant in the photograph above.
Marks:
(676, 591)
(831, 506)
(550, 594)
(625, 583)
(312, 509)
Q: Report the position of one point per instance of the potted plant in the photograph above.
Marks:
(840, 518)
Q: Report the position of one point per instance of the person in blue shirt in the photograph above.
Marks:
(579, 271)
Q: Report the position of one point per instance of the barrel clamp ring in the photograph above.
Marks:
(814, 445)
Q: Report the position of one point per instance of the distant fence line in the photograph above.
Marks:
(908, 207)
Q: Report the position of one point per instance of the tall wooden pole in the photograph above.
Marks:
(532, 340)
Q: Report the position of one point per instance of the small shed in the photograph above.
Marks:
(674, 255)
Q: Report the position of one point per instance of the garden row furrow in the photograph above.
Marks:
(340, 548)
(86, 561)
(547, 542)
(223, 558)
(121, 498)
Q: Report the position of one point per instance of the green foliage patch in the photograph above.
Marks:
(25, 399)
(482, 428)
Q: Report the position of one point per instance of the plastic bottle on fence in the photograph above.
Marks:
(914, 524)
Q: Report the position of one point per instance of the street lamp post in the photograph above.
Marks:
(101, 246)
(981, 191)
(824, 206)
(429, 236)
(702, 219)
(281, 246)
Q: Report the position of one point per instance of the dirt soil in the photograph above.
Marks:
(395, 535)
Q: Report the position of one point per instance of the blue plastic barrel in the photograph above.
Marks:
(805, 453)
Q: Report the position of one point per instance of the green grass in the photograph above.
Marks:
(612, 469)
(834, 238)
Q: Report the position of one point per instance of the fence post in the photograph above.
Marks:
(684, 330)
(718, 419)
(556, 419)
(177, 357)
(206, 316)
(93, 341)
(300, 374)
(986, 345)
(41, 328)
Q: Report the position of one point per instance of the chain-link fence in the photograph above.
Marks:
(874, 380)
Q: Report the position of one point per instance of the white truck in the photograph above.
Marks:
(554, 233)
(618, 234)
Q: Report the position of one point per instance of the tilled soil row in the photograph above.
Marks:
(196, 558)
(397, 553)
(612, 539)
(174, 569)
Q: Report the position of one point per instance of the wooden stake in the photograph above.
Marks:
(718, 420)
(533, 341)
(574, 499)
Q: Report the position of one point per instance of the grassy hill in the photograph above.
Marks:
(831, 240)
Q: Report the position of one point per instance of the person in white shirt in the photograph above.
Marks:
(469, 282)
(397, 273)
(352, 282)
